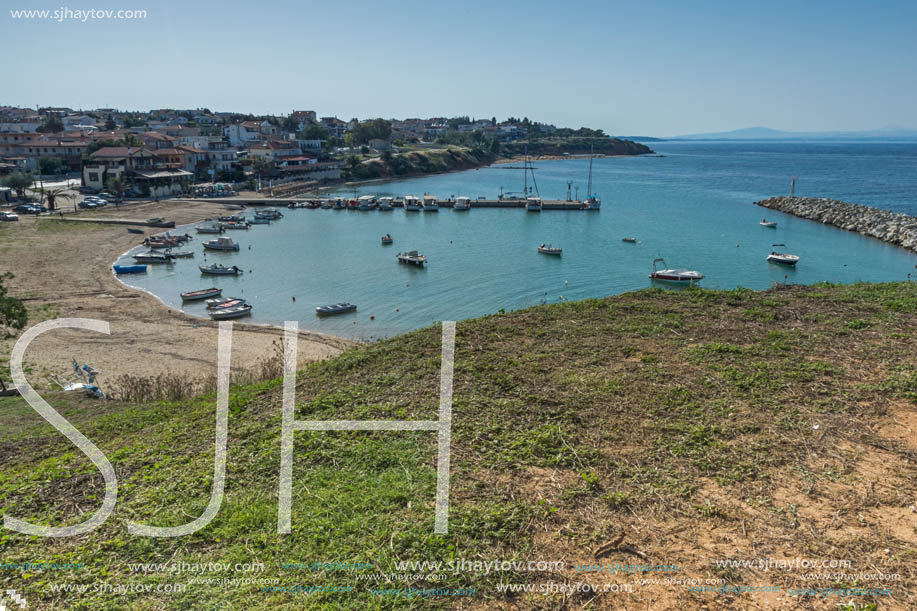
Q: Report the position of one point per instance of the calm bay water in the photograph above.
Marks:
(692, 207)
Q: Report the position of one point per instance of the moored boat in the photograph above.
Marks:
(366, 202)
(547, 249)
(768, 224)
(412, 203)
(178, 254)
(385, 204)
(629, 239)
(152, 257)
(210, 228)
(387, 239)
(411, 258)
(269, 213)
(233, 218)
(430, 203)
(681, 276)
(462, 204)
(221, 244)
(201, 294)
(337, 308)
(234, 312)
(224, 302)
(134, 230)
(782, 258)
(257, 220)
(217, 269)
(129, 269)
(238, 225)
(533, 204)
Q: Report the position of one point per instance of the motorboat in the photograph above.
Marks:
(217, 269)
(339, 204)
(233, 312)
(592, 201)
(221, 244)
(211, 228)
(239, 224)
(366, 202)
(234, 218)
(221, 303)
(159, 244)
(269, 213)
(326, 205)
(134, 230)
(629, 240)
(533, 204)
(768, 224)
(782, 258)
(411, 258)
(152, 257)
(547, 249)
(462, 204)
(259, 221)
(168, 236)
(338, 308)
(178, 254)
(201, 294)
(385, 204)
(387, 239)
(430, 203)
(683, 276)
(129, 269)
(412, 203)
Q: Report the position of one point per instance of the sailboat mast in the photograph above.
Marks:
(525, 172)
(591, 155)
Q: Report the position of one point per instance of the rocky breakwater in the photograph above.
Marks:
(892, 227)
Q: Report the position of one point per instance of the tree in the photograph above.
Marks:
(52, 195)
(51, 124)
(117, 186)
(354, 161)
(261, 165)
(110, 124)
(49, 165)
(290, 124)
(387, 156)
(495, 146)
(314, 132)
(19, 182)
(12, 312)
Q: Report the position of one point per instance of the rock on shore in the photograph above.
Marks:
(892, 227)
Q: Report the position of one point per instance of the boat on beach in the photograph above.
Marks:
(768, 224)
(159, 244)
(411, 258)
(681, 276)
(462, 204)
(239, 224)
(134, 230)
(221, 244)
(233, 218)
(234, 312)
(218, 269)
(337, 308)
(160, 222)
(201, 294)
(547, 249)
(782, 258)
(178, 254)
(387, 239)
(269, 213)
(129, 269)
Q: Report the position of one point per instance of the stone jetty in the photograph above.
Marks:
(892, 227)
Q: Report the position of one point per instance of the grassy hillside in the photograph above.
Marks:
(657, 427)
(422, 162)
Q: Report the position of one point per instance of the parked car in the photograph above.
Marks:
(88, 204)
(8, 216)
(29, 209)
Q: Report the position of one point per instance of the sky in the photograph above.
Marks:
(652, 68)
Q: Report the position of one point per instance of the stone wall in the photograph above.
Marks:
(892, 227)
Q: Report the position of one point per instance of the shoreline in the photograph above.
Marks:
(64, 270)
(895, 228)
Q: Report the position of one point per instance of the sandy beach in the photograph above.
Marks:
(64, 270)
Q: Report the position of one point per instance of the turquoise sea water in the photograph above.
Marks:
(693, 207)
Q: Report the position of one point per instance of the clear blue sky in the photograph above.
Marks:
(632, 68)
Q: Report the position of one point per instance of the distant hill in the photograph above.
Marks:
(765, 133)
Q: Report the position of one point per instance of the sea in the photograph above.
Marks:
(691, 204)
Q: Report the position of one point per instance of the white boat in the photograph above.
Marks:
(240, 224)
(592, 201)
(533, 204)
(768, 224)
(462, 204)
(366, 202)
(217, 269)
(223, 302)
(178, 254)
(338, 308)
(411, 258)
(682, 276)
(547, 249)
(201, 294)
(326, 205)
(430, 203)
(782, 258)
(257, 220)
(385, 204)
(152, 257)
(269, 213)
(234, 312)
(412, 203)
(211, 228)
(221, 244)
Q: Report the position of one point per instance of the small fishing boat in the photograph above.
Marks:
(269, 213)
(224, 302)
(234, 218)
(134, 230)
(629, 240)
(430, 203)
(152, 257)
(782, 258)
(221, 244)
(411, 258)
(768, 224)
(129, 269)
(339, 204)
(168, 236)
(239, 225)
(387, 239)
(533, 204)
(160, 222)
(201, 294)
(326, 205)
(259, 221)
(462, 204)
(338, 308)
(178, 254)
(592, 201)
(217, 269)
(683, 276)
(385, 204)
(160, 244)
(211, 228)
(366, 202)
(547, 249)
(412, 203)
(234, 312)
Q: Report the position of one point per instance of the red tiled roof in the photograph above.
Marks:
(122, 151)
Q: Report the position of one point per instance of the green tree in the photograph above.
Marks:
(51, 124)
(314, 132)
(110, 124)
(495, 146)
(51, 196)
(354, 161)
(387, 156)
(49, 165)
(19, 182)
(260, 165)
(12, 312)
(117, 186)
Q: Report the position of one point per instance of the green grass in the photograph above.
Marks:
(645, 413)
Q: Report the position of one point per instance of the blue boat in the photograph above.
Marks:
(129, 269)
